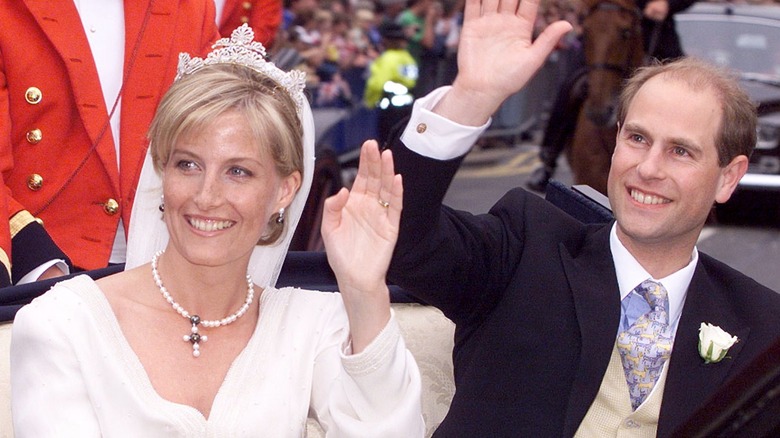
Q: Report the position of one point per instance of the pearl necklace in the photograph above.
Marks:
(194, 337)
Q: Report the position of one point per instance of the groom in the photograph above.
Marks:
(550, 313)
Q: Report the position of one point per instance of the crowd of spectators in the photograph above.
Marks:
(350, 62)
(336, 41)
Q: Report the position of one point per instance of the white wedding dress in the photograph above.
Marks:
(74, 374)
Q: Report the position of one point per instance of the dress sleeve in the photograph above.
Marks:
(375, 393)
(48, 393)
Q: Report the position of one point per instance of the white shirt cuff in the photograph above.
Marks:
(37, 272)
(434, 136)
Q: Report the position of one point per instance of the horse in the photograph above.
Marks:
(613, 48)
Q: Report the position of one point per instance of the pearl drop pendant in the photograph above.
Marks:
(194, 337)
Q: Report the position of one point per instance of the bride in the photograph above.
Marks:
(193, 339)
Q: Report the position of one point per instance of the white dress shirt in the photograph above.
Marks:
(104, 25)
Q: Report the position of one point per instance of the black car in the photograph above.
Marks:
(745, 38)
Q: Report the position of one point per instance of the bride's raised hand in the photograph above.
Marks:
(360, 228)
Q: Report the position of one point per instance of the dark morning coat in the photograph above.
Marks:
(535, 299)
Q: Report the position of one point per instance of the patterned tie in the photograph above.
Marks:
(647, 344)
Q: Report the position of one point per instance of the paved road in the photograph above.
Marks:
(488, 173)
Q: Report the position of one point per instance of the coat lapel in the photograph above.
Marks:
(593, 282)
(690, 381)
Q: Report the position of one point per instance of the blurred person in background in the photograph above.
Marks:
(334, 91)
(438, 61)
(335, 6)
(389, 10)
(365, 49)
(562, 119)
(392, 77)
(412, 19)
(658, 28)
(294, 8)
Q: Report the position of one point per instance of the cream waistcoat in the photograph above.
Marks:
(610, 415)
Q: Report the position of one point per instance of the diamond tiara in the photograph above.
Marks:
(241, 49)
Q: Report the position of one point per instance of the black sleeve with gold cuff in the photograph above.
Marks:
(5, 269)
(31, 245)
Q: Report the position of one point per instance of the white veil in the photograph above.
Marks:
(148, 233)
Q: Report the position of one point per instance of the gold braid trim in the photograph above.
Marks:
(5, 261)
(21, 220)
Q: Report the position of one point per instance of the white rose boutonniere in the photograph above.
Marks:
(714, 342)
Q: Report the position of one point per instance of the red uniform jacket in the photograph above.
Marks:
(56, 150)
(264, 16)
(5, 242)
